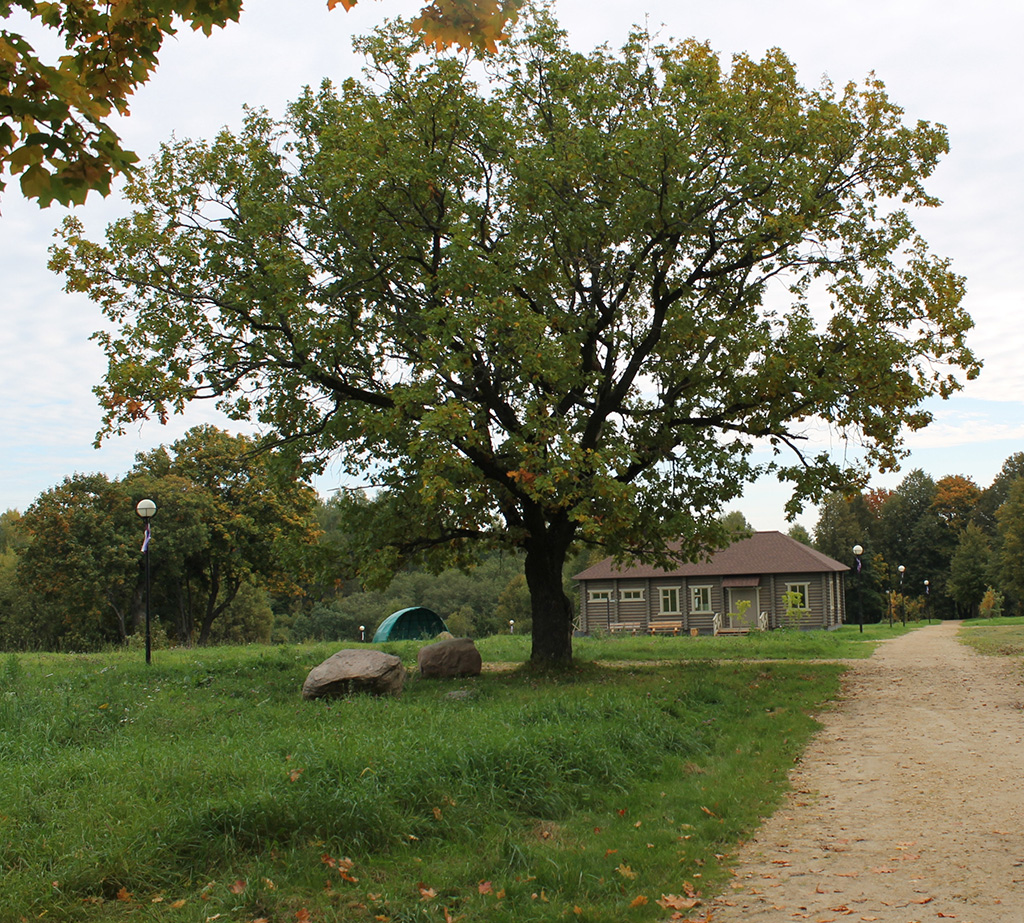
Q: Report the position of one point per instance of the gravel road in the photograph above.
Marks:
(909, 804)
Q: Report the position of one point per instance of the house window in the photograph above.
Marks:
(670, 600)
(631, 595)
(599, 596)
(796, 596)
(700, 599)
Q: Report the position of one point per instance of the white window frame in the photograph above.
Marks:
(704, 590)
(668, 600)
(632, 595)
(599, 596)
(804, 589)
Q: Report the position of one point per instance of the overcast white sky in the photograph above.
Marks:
(955, 63)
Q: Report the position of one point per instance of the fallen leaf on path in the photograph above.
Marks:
(675, 902)
(922, 900)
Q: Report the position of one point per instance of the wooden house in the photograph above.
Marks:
(767, 580)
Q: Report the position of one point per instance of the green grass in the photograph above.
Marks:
(1001, 637)
(204, 785)
(843, 644)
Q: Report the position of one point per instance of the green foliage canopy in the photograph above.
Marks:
(557, 307)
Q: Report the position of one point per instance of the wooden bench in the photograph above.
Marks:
(670, 628)
(631, 627)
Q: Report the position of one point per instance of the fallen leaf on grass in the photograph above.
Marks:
(294, 774)
(237, 887)
(485, 887)
(426, 893)
(124, 895)
(177, 905)
(302, 915)
(638, 901)
(708, 811)
(625, 871)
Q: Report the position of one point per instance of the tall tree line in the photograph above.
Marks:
(232, 531)
(961, 547)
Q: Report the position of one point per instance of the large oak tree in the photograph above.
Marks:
(550, 298)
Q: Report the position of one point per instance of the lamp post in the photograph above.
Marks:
(146, 509)
(903, 604)
(362, 632)
(858, 550)
(511, 626)
(927, 590)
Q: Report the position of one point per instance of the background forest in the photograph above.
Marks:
(245, 551)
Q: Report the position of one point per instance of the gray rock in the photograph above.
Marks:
(353, 670)
(457, 657)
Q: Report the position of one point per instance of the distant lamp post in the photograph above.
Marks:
(858, 550)
(511, 626)
(903, 604)
(362, 632)
(927, 590)
(146, 510)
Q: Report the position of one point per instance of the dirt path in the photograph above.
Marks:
(909, 804)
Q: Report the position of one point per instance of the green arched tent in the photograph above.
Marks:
(410, 624)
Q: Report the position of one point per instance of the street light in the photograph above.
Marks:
(511, 626)
(858, 550)
(146, 510)
(927, 590)
(362, 632)
(903, 603)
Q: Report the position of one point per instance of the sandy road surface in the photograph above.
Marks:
(909, 804)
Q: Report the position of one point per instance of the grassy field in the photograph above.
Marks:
(203, 787)
(1003, 637)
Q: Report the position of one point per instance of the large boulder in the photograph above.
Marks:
(455, 657)
(354, 670)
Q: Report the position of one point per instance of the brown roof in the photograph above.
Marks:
(760, 553)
